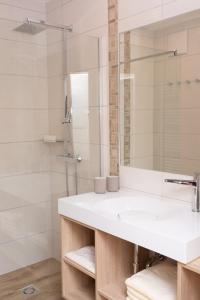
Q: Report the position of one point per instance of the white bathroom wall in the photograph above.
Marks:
(152, 182)
(25, 202)
(133, 13)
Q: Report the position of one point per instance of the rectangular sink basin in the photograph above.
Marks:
(161, 225)
(141, 208)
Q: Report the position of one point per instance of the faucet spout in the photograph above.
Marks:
(183, 182)
(195, 183)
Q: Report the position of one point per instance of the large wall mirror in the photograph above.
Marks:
(160, 96)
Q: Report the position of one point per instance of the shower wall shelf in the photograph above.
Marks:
(51, 142)
(69, 158)
(51, 139)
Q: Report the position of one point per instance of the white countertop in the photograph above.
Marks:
(166, 226)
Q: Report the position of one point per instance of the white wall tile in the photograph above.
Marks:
(26, 92)
(87, 58)
(36, 5)
(15, 13)
(85, 16)
(129, 8)
(19, 158)
(141, 180)
(179, 7)
(141, 19)
(23, 125)
(24, 190)
(26, 59)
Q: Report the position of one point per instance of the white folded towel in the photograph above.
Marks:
(133, 294)
(133, 298)
(156, 283)
(84, 257)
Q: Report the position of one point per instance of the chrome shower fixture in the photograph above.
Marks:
(34, 27)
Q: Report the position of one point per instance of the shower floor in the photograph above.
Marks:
(44, 276)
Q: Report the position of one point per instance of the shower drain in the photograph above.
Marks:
(29, 290)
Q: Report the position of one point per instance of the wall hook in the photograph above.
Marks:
(188, 81)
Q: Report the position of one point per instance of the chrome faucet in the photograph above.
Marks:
(194, 183)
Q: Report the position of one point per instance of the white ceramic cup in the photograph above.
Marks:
(100, 185)
(113, 183)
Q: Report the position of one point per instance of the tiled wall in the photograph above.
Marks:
(113, 86)
(25, 203)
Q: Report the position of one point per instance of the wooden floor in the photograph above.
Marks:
(45, 276)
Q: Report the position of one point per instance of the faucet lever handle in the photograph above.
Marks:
(196, 184)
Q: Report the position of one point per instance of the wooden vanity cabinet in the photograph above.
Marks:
(114, 263)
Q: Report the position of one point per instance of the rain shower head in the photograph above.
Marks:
(31, 27)
(34, 27)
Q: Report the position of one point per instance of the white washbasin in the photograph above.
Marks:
(161, 225)
(132, 209)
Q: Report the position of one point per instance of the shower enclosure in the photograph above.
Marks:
(49, 85)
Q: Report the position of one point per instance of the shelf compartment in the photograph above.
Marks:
(75, 279)
(194, 266)
(114, 259)
(84, 293)
(78, 266)
(189, 281)
(77, 285)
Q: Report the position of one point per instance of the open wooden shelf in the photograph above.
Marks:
(114, 264)
(114, 259)
(79, 267)
(77, 282)
(189, 281)
(77, 285)
(194, 266)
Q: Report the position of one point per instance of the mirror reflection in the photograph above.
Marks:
(160, 96)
